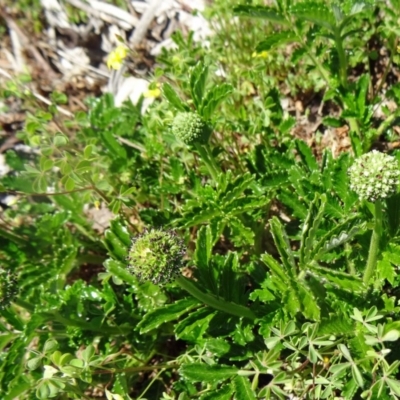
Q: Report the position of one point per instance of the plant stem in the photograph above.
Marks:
(24, 304)
(208, 159)
(16, 192)
(342, 58)
(350, 264)
(374, 245)
(13, 237)
(354, 126)
(107, 330)
(213, 301)
(56, 316)
(310, 54)
(388, 121)
(388, 66)
(139, 369)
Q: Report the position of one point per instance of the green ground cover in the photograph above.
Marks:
(254, 241)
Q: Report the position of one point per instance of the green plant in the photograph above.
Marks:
(324, 33)
(236, 261)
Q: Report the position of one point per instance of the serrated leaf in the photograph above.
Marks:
(173, 98)
(287, 124)
(207, 373)
(121, 386)
(243, 389)
(115, 246)
(393, 214)
(342, 279)
(386, 270)
(283, 246)
(362, 86)
(310, 228)
(306, 155)
(291, 200)
(291, 302)
(335, 325)
(204, 245)
(275, 179)
(276, 39)
(268, 13)
(333, 122)
(350, 389)
(198, 77)
(275, 267)
(193, 327)
(230, 189)
(118, 269)
(20, 386)
(5, 339)
(317, 13)
(201, 217)
(217, 346)
(170, 312)
(213, 98)
(120, 230)
(310, 308)
(225, 393)
(336, 237)
(240, 234)
(112, 145)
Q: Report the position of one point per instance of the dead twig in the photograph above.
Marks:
(28, 45)
(144, 23)
(106, 12)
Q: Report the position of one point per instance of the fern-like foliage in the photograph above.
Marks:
(226, 205)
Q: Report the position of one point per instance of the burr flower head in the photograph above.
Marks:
(8, 288)
(374, 176)
(190, 128)
(156, 256)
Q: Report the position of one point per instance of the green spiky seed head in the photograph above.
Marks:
(8, 288)
(374, 176)
(156, 256)
(190, 128)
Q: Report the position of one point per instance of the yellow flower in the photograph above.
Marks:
(152, 93)
(117, 56)
(398, 49)
(263, 54)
